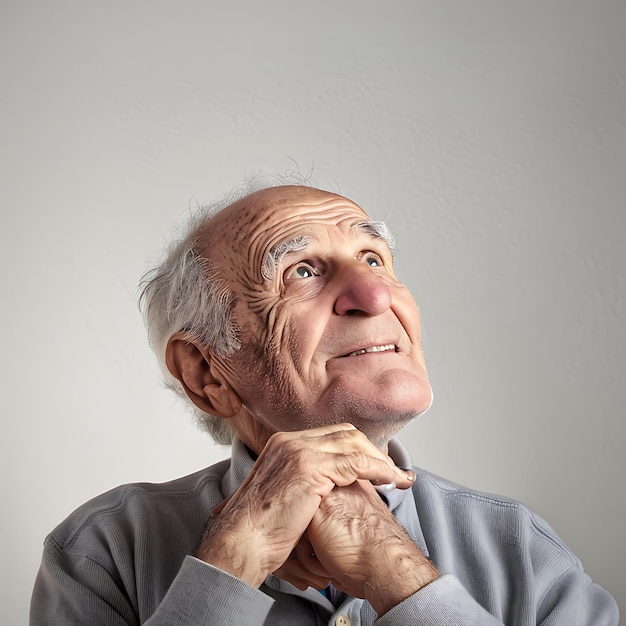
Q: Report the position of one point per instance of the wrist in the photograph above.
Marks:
(235, 553)
(404, 573)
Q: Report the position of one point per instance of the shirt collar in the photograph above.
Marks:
(241, 464)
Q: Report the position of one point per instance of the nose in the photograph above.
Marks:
(362, 292)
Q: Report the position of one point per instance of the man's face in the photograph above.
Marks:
(331, 335)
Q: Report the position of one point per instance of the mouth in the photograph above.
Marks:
(388, 347)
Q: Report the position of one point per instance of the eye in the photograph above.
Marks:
(302, 270)
(372, 259)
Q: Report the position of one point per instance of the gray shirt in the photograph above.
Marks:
(123, 558)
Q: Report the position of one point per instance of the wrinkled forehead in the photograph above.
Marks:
(247, 230)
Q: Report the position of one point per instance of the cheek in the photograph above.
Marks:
(407, 311)
(264, 333)
(269, 321)
(283, 332)
(244, 371)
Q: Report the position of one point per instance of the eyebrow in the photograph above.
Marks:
(379, 230)
(277, 253)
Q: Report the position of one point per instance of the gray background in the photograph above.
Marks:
(490, 135)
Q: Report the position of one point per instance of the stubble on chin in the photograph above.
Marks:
(379, 424)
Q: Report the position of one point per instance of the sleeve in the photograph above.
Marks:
(440, 603)
(572, 600)
(203, 594)
(73, 591)
(77, 590)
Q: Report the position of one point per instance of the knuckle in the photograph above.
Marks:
(350, 465)
(354, 437)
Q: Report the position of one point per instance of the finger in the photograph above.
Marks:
(293, 572)
(339, 452)
(303, 584)
(351, 440)
(313, 434)
(362, 465)
(361, 497)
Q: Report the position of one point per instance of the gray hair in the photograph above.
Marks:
(184, 293)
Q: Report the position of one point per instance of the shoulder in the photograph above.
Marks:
(505, 555)
(142, 507)
(429, 485)
(486, 519)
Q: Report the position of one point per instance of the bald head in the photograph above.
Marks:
(246, 231)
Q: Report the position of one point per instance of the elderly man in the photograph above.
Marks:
(280, 317)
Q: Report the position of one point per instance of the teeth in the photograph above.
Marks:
(384, 348)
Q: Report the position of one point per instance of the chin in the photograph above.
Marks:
(379, 432)
(396, 389)
(377, 419)
(390, 398)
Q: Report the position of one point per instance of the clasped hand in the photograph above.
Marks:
(308, 513)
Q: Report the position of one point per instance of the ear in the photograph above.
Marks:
(204, 384)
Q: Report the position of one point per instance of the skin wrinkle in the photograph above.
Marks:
(282, 232)
(250, 245)
(275, 358)
(280, 287)
(384, 539)
(260, 492)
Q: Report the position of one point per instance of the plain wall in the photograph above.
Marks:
(492, 138)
